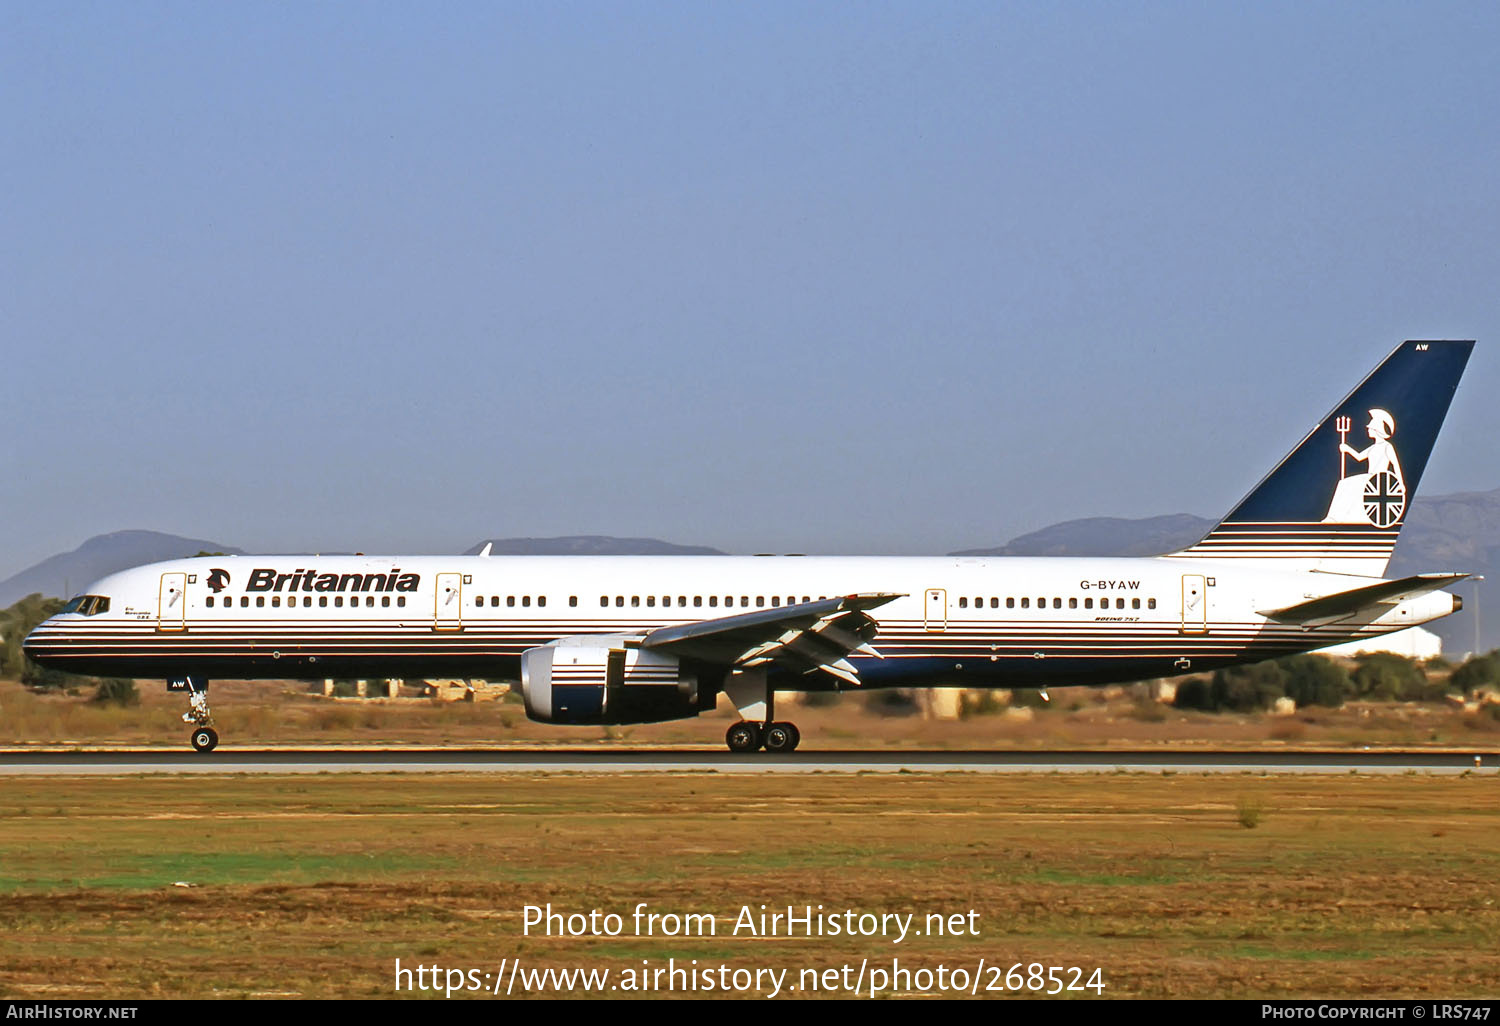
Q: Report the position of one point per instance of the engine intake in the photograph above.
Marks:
(609, 679)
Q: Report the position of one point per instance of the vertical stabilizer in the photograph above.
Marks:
(1338, 500)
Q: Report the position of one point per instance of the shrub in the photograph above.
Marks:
(116, 691)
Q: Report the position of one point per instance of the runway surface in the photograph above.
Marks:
(600, 760)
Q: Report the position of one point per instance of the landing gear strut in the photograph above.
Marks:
(204, 737)
(754, 697)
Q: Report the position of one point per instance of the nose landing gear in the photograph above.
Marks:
(204, 738)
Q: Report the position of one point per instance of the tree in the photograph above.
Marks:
(17, 622)
(1389, 677)
(1194, 693)
(1479, 671)
(1248, 688)
(1315, 680)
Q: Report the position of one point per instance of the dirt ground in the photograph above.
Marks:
(259, 713)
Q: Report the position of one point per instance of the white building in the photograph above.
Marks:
(1414, 643)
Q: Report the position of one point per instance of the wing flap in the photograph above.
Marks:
(1347, 603)
(806, 637)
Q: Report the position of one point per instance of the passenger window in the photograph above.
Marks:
(260, 600)
(322, 600)
(682, 601)
(1072, 603)
(307, 601)
(245, 601)
(1088, 603)
(385, 600)
(572, 600)
(744, 601)
(510, 600)
(603, 601)
(370, 601)
(494, 601)
(697, 601)
(1057, 603)
(1135, 603)
(541, 600)
(210, 602)
(651, 600)
(619, 601)
(1119, 603)
(338, 600)
(526, 600)
(776, 601)
(1151, 603)
(401, 600)
(1025, 602)
(1010, 603)
(963, 603)
(994, 603)
(635, 601)
(760, 601)
(276, 601)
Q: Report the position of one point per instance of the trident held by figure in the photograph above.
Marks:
(1343, 424)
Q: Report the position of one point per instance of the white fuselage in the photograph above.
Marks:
(971, 622)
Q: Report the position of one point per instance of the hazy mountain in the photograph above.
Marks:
(71, 572)
(1104, 536)
(591, 545)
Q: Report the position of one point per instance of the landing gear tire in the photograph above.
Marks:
(782, 737)
(205, 739)
(744, 736)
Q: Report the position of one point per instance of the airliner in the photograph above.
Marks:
(1297, 565)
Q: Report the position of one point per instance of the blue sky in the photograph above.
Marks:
(801, 277)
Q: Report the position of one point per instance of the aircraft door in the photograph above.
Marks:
(171, 603)
(1194, 604)
(936, 609)
(448, 605)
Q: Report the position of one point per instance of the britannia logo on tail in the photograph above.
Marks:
(1377, 496)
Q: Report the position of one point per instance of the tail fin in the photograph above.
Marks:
(1338, 500)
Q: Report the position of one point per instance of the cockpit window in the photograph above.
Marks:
(86, 605)
(73, 604)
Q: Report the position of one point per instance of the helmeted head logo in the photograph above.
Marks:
(1378, 496)
(218, 580)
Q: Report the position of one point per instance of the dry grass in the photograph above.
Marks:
(276, 712)
(1353, 886)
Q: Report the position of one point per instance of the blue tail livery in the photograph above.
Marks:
(1338, 500)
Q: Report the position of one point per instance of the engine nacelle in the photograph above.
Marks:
(609, 678)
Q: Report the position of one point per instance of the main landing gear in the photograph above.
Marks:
(204, 737)
(746, 736)
(756, 701)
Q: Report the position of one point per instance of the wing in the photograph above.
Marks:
(1347, 603)
(806, 637)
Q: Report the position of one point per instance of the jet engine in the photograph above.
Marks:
(610, 678)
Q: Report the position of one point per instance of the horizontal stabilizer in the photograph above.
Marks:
(1345, 603)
